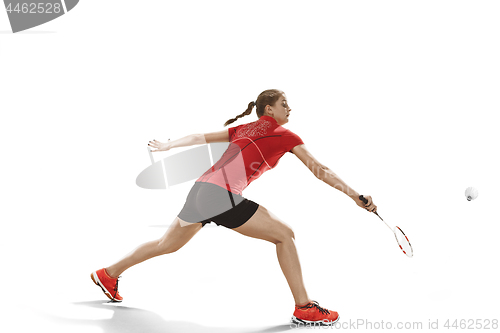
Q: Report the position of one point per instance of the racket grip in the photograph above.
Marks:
(362, 198)
(365, 201)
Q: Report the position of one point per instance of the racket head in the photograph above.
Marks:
(404, 243)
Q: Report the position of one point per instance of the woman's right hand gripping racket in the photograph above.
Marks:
(404, 243)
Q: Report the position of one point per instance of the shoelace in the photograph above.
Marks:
(315, 304)
(116, 290)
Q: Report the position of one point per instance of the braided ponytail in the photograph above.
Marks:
(267, 97)
(246, 113)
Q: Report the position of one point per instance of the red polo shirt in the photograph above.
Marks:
(254, 148)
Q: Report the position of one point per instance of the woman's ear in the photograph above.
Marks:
(268, 111)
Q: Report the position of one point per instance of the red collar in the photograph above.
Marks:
(268, 118)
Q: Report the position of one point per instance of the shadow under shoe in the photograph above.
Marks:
(312, 314)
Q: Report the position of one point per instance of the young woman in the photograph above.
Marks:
(216, 197)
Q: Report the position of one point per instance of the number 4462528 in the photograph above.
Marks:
(472, 324)
(35, 8)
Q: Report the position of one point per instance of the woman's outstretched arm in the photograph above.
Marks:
(190, 140)
(324, 173)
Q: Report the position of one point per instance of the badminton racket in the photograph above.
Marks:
(403, 242)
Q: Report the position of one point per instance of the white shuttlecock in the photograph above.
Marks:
(471, 193)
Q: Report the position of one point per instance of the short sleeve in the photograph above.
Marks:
(232, 131)
(290, 140)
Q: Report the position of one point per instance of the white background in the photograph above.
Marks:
(399, 98)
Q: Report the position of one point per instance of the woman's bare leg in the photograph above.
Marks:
(177, 235)
(264, 225)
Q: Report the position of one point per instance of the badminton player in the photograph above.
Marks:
(216, 197)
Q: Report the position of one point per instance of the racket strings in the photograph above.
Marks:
(403, 241)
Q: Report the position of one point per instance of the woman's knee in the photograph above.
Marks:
(165, 247)
(286, 234)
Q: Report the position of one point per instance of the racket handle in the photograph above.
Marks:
(362, 198)
(365, 201)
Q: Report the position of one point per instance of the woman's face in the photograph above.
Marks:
(280, 110)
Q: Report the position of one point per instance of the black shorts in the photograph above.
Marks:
(208, 202)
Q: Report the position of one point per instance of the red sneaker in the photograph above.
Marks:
(313, 314)
(108, 285)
